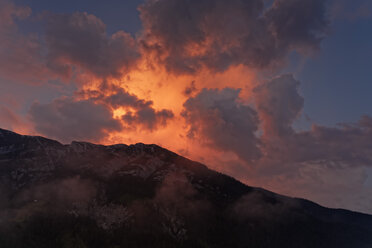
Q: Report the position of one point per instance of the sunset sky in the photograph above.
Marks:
(273, 93)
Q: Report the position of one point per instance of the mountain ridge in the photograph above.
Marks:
(107, 185)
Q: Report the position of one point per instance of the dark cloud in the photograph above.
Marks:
(72, 44)
(123, 98)
(139, 112)
(183, 35)
(187, 35)
(328, 164)
(279, 104)
(66, 119)
(148, 118)
(21, 57)
(298, 24)
(345, 145)
(80, 40)
(218, 119)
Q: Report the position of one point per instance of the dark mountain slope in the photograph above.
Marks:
(87, 195)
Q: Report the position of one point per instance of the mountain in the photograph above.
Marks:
(87, 195)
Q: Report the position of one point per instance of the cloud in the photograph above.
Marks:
(79, 41)
(322, 163)
(122, 98)
(298, 24)
(188, 35)
(66, 119)
(325, 164)
(10, 12)
(141, 113)
(71, 45)
(185, 36)
(137, 112)
(148, 118)
(218, 119)
(21, 57)
(345, 145)
(279, 104)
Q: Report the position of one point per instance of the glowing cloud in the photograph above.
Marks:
(190, 81)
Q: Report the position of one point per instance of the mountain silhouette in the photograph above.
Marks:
(88, 195)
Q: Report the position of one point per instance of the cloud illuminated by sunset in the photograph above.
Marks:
(202, 78)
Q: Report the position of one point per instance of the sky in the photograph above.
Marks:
(273, 93)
